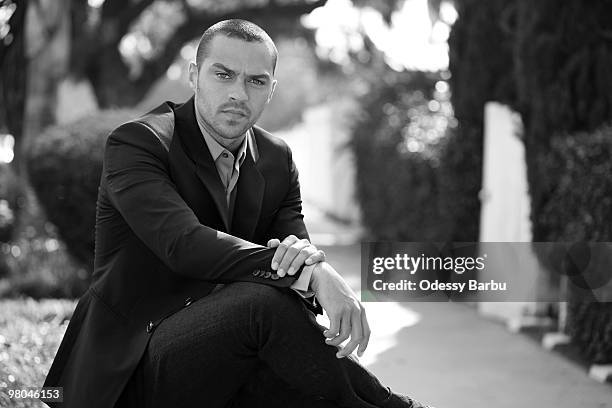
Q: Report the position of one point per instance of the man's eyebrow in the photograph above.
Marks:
(218, 65)
(261, 76)
(223, 67)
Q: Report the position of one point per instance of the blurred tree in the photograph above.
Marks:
(13, 65)
(123, 48)
(120, 48)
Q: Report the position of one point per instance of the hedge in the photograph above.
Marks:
(579, 208)
(550, 61)
(64, 165)
(564, 84)
(563, 56)
(396, 162)
(10, 193)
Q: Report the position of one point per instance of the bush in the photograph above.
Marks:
(10, 193)
(396, 140)
(10, 203)
(64, 165)
(590, 327)
(564, 85)
(548, 60)
(579, 208)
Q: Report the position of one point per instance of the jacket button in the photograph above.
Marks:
(188, 301)
(150, 326)
(256, 272)
(275, 276)
(267, 275)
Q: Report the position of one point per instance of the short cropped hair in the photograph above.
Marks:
(236, 28)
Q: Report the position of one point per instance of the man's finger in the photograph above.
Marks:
(297, 262)
(366, 334)
(273, 243)
(280, 253)
(334, 327)
(290, 254)
(345, 331)
(318, 256)
(356, 336)
(301, 259)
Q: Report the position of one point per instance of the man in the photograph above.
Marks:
(188, 307)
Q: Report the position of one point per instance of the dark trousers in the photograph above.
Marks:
(248, 345)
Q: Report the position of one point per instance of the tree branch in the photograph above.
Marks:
(109, 74)
(128, 15)
(192, 27)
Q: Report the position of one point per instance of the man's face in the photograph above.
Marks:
(232, 86)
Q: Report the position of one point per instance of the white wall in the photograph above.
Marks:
(326, 166)
(506, 207)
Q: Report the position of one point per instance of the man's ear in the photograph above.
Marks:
(193, 76)
(274, 82)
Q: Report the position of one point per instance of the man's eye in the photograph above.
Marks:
(258, 82)
(222, 75)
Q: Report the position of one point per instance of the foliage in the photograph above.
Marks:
(579, 207)
(563, 56)
(30, 335)
(12, 72)
(122, 49)
(37, 262)
(396, 140)
(562, 61)
(65, 166)
(590, 326)
(9, 202)
(550, 61)
(480, 61)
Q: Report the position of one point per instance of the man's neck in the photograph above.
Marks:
(233, 145)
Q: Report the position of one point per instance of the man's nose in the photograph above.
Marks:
(238, 91)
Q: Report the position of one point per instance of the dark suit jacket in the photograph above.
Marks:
(162, 242)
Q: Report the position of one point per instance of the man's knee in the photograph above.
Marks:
(270, 300)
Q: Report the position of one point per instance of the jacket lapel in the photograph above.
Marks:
(196, 149)
(249, 199)
(207, 172)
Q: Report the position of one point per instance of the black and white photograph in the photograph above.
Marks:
(305, 203)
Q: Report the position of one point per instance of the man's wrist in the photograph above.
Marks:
(303, 281)
(316, 273)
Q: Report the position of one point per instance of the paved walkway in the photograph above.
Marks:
(451, 357)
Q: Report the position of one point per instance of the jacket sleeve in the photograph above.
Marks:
(140, 188)
(289, 219)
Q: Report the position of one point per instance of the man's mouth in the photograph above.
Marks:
(235, 112)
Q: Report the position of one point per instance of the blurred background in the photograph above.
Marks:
(409, 120)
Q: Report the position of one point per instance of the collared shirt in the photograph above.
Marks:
(228, 167)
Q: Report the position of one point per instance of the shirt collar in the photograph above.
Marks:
(216, 149)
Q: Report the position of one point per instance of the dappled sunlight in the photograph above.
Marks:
(411, 41)
(7, 143)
